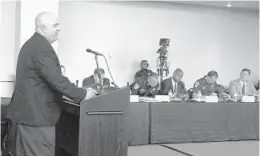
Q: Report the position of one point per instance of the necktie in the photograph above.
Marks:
(244, 88)
(175, 88)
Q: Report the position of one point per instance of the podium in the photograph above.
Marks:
(101, 128)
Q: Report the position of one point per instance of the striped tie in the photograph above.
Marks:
(244, 88)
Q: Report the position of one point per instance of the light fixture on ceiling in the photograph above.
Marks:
(229, 4)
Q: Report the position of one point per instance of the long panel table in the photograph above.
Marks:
(173, 122)
(199, 122)
(138, 123)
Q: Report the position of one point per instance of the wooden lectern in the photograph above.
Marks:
(101, 126)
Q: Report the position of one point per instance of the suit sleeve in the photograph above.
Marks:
(138, 74)
(232, 89)
(48, 68)
(134, 88)
(219, 90)
(163, 90)
(184, 90)
(196, 87)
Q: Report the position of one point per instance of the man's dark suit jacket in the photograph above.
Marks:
(40, 85)
(91, 80)
(166, 86)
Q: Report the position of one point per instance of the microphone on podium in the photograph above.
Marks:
(94, 52)
(96, 58)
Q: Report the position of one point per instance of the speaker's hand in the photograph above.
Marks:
(91, 93)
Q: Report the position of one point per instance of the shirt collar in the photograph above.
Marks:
(173, 80)
(242, 82)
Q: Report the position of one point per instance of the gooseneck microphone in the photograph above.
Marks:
(94, 52)
(96, 58)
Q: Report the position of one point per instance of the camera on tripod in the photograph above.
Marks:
(162, 60)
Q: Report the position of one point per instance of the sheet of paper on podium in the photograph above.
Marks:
(101, 90)
(95, 87)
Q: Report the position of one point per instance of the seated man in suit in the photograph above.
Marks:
(208, 86)
(94, 79)
(242, 86)
(144, 71)
(174, 85)
(146, 87)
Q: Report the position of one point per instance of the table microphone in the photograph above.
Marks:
(114, 84)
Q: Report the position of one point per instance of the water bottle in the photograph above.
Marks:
(235, 97)
(199, 95)
(170, 93)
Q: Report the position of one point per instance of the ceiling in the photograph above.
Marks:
(248, 5)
